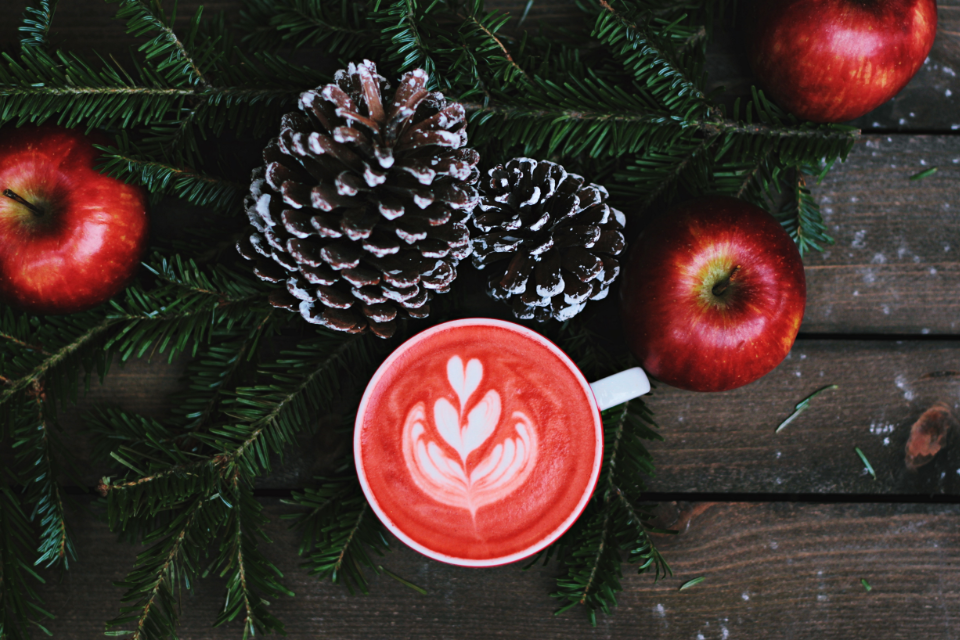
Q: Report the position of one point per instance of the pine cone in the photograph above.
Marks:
(362, 206)
(559, 235)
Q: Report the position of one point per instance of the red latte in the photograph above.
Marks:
(478, 442)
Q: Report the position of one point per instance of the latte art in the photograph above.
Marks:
(478, 442)
(461, 480)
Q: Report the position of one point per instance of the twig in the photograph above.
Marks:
(604, 530)
(55, 359)
(23, 344)
(174, 550)
(677, 171)
(506, 53)
(266, 421)
(711, 127)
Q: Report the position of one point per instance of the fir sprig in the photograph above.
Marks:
(36, 24)
(20, 605)
(251, 577)
(165, 569)
(614, 522)
(127, 163)
(340, 533)
(39, 454)
(306, 23)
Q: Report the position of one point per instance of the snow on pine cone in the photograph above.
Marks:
(548, 237)
(361, 207)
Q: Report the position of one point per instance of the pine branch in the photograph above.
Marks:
(145, 18)
(36, 24)
(339, 532)
(54, 359)
(800, 213)
(651, 61)
(490, 32)
(164, 569)
(24, 344)
(214, 372)
(20, 605)
(656, 174)
(272, 24)
(273, 414)
(35, 442)
(122, 162)
(402, 23)
(251, 577)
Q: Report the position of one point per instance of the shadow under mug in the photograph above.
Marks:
(478, 442)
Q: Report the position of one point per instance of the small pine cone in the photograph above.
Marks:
(361, 209)
(548, 237)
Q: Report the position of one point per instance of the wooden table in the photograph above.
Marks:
(783, 526)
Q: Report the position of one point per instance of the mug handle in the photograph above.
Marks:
(620, 387)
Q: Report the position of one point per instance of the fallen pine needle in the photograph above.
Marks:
(403, 581)
(926, 173)
(866, 585)
(691, 583)
(866, 462)
(802, 405)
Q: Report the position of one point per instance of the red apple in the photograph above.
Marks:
(712, 295)
(835, 60)
(70, 237)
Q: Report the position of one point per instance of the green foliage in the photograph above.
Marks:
(39, 456)
(615, 522)
(337, 27)
(20, 606)
(620, 99)
(340, 533)
(251, 577)
(176, 557)
(36, 24)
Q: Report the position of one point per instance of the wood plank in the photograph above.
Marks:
(726, 442)
(773, 570)
(895, 267)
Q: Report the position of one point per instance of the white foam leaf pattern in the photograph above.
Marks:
(464, 380)
(447, 421)
(450, 481)
(481, 422)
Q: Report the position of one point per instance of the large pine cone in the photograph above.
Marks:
(361, 208)
(549, 239)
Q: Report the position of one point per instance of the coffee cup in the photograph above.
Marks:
(478, 442)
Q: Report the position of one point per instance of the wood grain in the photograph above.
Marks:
(788, 571)
(725, 442)
(895, 267)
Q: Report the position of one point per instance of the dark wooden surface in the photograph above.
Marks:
(775, 570)
(782, 526)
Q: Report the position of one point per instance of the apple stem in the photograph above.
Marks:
(721, 286)
(37, 211)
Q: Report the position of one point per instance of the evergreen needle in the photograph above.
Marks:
(403, 581)
(802, 405)
(866, 462)
(926, 173)
(691, 583)
(866, 585)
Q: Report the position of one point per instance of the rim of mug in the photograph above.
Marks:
(543, 542)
